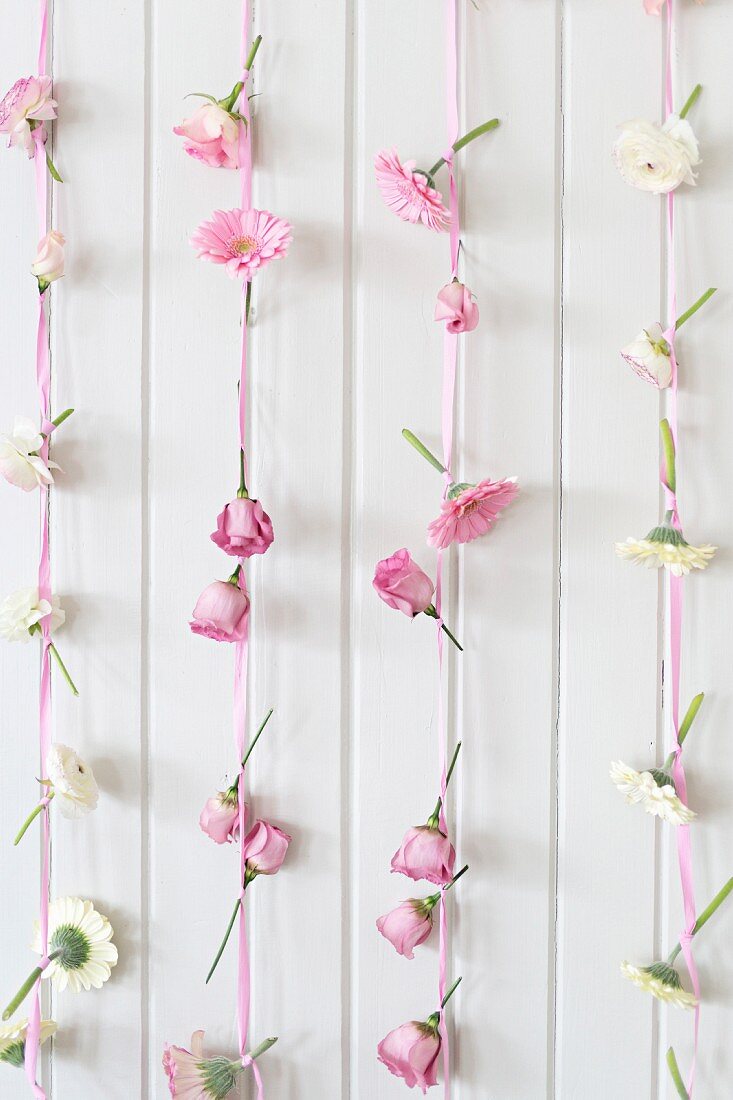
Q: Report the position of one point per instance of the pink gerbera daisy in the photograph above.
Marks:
(470, 511)
(193, 1077)
(408, 193)
(243, 240)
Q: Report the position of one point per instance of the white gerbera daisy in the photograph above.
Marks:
(654, 790)
(82, 937)
(73, 784)
(665, 546)
(13, 1036)
(662, 981)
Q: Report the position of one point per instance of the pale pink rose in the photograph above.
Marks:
(650, 356)
(48, 265)
(243, 240)
(220, 816)
(425, 853)
(408, 194)
(409, 925)
(412, 1052)
(243, 528)
(472, 512)
(402, 584)
(193, 1077)
(211, 136)
(27, 105)
(265, 847)
(456, 305)
(221, 612)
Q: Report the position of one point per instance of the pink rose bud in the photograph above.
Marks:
(221, 612)
(211, 136)
(49, 262)
(426, 853)
(403, 585)
(220, 816)
(455, 305)
(409, 925)
(265, 848)
(411, 1052)
(243, 528)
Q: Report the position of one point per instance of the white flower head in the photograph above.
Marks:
(657, 158)
(654, 791)
(649, 356)
(20, 461)
(665, 546)
(23, 610)
(83, 938)
(662, 981)
(13, 1037)
(74, 786)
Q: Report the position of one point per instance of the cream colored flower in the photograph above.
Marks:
(13, 1037)
(82, 936)
(657, 796)
(657, 158)
(22, 610)
(74, 786)
(48, 266)
(649, 356)
(662, 981)
(20, 463)
(664, 546)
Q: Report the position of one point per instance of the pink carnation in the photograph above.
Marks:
(28, 101)
(411, 1052)
(472, 512)
(242, 240)
(408, 193)
(243, 528)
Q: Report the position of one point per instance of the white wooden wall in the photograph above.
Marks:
(562, 666)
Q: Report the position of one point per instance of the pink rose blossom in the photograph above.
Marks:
(408, 194)
(221, 612)
(455, 305)
(472, 512)
(27, 105)
(220, 816)
(426, 853)
(48, 265)
(265, 847)
(402, 584)
(242, 240)
(243, 528)
(211, 136)
(411, 1052)
(409, 925)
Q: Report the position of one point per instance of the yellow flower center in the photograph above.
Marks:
(240, 246)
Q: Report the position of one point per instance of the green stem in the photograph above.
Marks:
(690, 717)
(465, 140)
(434, 818)
(231, 99)
(694, 308)
(453, 763)
(31, 818)
(234, 578)
(705, 916)
(52, 168)
(669, 455)
(242, 492)
(450, 992)
(253, 52)
(257, 736)
(247, 301)
(224, 942)
(422, 450)
(455, 878)
(262, 1048)
(64, 671)
(691, 101)
(58, 420)
(674, 1070)
(433, 614)
(26, 987)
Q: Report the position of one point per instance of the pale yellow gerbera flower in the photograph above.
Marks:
(82, 937)
(13, 1037)
(662, 981)
(667, 547)
(654, 790)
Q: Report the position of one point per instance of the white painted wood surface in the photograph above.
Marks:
(562, 670)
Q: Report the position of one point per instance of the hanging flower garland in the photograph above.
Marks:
(242, 240)
(415, 1050)
(659, 160)
(73, 940)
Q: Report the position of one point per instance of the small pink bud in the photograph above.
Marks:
(456, 306)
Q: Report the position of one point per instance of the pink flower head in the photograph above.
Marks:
(402, 584)
(411, 1052)
(471, 512)
(48, 265)
(220, 816)
(409, 925)
(264, 850)
(27, 104)
(408, 194)
(243, 240)
(426, 853)
(193, 1077)
(221, 612)
(211, 135)
(455, 305)
(243, 528)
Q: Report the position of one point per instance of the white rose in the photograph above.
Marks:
(657, 158)
(74, 786)
(649, 356)
(49, 262)
(22, 610)
(20, 464)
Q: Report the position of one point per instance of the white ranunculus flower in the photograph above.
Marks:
(658, 798)
(662, 981)
(74, 786)
(649, 356)
(657, 158)
(20, 464)
(22, 610)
